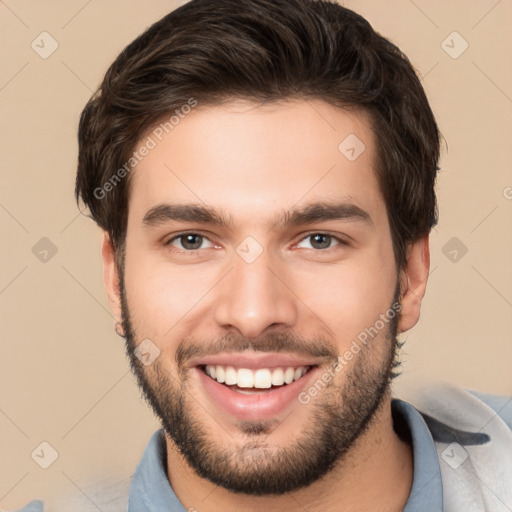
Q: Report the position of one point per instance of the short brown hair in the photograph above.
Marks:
(263, 50)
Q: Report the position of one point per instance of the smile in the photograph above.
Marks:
(254, 387)
(244, 379)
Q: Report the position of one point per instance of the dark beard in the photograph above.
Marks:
(340, 414)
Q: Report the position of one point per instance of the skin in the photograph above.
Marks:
(251, 163)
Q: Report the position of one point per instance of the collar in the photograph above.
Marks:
(427, 489)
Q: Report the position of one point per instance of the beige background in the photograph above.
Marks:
(63, 375)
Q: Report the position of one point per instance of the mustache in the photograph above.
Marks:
(318, 348)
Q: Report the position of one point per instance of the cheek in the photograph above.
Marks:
(348, 297)
(161, 296)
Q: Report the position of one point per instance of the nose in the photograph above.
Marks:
(254, 298)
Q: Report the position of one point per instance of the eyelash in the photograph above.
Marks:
(339, 240)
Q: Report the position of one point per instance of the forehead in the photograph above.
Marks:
(243, 158)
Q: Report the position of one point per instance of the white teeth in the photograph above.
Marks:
(220, 374)
(230, 376)
(288, 375)
(262, 378)
(278, 377)
(245, 378)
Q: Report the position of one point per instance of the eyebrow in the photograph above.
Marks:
(309, 214)
(184, 213)
(323, 211)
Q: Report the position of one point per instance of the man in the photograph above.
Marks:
(264, 174)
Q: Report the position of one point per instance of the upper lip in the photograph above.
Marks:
(254, 360)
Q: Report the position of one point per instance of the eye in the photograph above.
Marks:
(189, 242)
(319, 241)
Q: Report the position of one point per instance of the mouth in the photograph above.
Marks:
(254, 389)
(250, 381)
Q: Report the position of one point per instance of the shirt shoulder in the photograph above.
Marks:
(500, 404)
(473, 438)
(462, 408)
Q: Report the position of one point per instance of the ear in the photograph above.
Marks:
(413, 283)
(111, 276)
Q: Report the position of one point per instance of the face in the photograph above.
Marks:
(257, 254)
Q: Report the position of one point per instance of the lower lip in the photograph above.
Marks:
(256, 406)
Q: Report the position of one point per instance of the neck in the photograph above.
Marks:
(375, 474)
